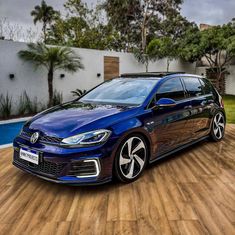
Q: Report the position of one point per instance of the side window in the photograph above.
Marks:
(193, 86)
(206, 86)
(172, 89)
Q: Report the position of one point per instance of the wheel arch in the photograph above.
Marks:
(138, 131)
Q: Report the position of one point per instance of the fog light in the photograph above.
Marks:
(85, 168)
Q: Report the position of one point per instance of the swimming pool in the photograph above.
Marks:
(10, 129)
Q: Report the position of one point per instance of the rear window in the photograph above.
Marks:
(193, 86)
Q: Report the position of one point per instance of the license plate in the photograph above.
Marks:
(30, 156)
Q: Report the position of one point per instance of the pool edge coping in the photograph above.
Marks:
(14, 120)
(3, 146)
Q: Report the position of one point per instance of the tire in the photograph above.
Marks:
(218, 127)
(131, 158)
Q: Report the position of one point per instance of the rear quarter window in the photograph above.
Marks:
(193, 86)
(206, 86)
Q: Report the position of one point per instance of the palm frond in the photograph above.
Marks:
(35, 54)
(58, 57)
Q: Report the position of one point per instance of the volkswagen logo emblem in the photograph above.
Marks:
(34, 137)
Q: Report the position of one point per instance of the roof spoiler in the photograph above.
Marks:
(149, 74)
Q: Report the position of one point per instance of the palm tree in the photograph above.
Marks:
(45, 14)
(51, 58)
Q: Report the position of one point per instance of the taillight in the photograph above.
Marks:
(221, 102)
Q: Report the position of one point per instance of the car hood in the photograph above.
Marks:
(75, 117)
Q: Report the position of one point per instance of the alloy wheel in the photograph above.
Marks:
(132, 157)
(218, 126)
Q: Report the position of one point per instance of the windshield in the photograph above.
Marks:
(127, 91)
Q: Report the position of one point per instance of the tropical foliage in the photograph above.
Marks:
(163, 47)
(44, 14)
(26, 105)
(78, 92)
(216, 45)
(52, 59)
(5, 106)
(150, 29)
(83, 27)
(57, 98)
(140, 21)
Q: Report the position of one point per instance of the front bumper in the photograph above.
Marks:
(61, 165)
(63, 180)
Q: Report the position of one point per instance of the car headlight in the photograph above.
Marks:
(87, 138)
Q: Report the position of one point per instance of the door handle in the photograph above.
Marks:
(188, 107)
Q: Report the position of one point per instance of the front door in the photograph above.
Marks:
(171, 125)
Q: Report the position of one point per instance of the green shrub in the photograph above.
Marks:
(57, 98)
(26, 106)
(5, 106)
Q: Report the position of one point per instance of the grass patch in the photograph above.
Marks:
(229, 105)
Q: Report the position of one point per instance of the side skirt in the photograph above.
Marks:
(178, 149)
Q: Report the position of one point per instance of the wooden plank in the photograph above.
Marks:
(190, 193)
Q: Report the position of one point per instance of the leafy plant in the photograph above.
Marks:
(51, 58)
(142, 58)
(57, 98)
(5, 105)
(26, 106)
(139, 21)
(216, 45)
(163, 47)
(33, 108)
(78, 92)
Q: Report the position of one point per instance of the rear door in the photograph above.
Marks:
(170, 123)
(200, 106)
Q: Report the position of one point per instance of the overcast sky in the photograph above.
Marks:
(200, 11)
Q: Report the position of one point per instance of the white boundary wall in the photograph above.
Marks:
(34, 82)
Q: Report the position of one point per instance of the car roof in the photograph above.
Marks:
(156, 75)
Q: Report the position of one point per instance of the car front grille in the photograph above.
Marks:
(45, 167)
(50, 139)
(42, 138)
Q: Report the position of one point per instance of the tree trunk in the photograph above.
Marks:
(217, 78)
(50, 86)
(168, 64)
(144, 38)
(146, 65)
(44, 32)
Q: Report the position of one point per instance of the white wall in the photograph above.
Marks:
(230, 81)
(34, 82)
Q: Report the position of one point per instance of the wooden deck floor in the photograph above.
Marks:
(190, 193)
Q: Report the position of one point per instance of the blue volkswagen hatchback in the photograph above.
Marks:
(119, 127)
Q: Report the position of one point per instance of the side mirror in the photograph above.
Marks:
(165, 102)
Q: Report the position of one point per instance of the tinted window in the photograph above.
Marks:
(207, 87)
(172, 88)
(121, 91)
(193, 86)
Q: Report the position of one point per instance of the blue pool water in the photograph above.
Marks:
(9, 131)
